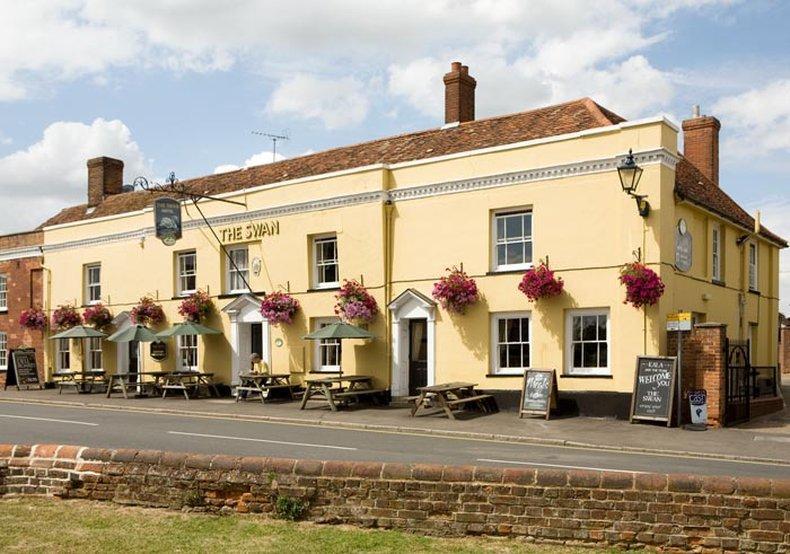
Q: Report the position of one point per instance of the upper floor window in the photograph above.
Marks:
(752, 266)
(325, 267)
(92, 283)
(510, 334)
(512, 240)
(3, 351)
(3, 293)
(587, 342)
(186, 263)
(63, 355)
(95, 354)
(238, 271)
(716, 253)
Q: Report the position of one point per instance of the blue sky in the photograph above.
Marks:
(179, 85)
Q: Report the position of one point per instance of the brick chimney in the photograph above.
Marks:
(701, 143)
(105, 177)
(459, 94)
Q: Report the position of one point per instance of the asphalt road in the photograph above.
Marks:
(32, 424)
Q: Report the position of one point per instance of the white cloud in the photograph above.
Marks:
(757, 121)
(261, 158)
(774, 215)
(337, 103)
(51, 174)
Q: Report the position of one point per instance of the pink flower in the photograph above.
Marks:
(196, 306)
(456, 291)
(279, 307)
(643, 287)
(34, 318)
(354, 303)
(539, 282)
(65, 317)
(97, 315)
(147, 311)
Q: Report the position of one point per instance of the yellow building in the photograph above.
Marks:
(493, 196)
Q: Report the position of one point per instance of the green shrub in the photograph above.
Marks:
(193, 499)
(292, 509)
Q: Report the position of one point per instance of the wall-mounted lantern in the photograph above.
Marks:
(630, 174)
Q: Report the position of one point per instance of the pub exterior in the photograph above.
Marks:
(494, 197)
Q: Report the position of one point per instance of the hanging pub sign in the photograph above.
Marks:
(22, 369)
(158, 350)
(654, 389)
(683, 246)
(538, 393)
(167, 220)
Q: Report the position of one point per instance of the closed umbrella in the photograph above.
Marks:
(339, 330)
(79, 332)
(139, 333)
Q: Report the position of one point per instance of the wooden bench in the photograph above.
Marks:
(482, 400)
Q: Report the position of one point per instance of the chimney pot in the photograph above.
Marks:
(105, 178)
(701, 144)
(459, 94)
(695, 110)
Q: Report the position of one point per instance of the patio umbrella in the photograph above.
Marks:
(139, 333)
(187, 328)
(79, 332)
(339, 330)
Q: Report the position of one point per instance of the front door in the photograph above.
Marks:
(418, 354)
(134, 352)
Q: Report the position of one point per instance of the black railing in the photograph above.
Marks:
(764, 380)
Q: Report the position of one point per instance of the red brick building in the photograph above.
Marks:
(21, 287)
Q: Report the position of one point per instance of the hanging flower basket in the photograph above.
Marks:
(148, 312)
(355, 304)
(279, 307)
(65, 317)
(196, 307)
(643, 287)
(456, 291)
(97, 315)
(540, 282)
(33, 318)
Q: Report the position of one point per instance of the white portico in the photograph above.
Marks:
(413, 342)
(249, 333)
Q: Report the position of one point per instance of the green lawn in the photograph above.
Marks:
(40, 525)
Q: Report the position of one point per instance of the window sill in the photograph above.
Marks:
(324, 289)
(323, 371)
(754, 291)
(508, 271)
(588, 376)
(718, 283)
(499, 375)
(3, 310)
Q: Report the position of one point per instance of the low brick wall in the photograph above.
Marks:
(672, 512)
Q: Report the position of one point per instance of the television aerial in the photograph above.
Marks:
(274, 138)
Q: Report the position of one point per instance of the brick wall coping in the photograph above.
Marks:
(86, 458)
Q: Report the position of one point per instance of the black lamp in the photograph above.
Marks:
(630, 174)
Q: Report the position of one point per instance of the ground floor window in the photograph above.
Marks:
(510, 340)
(587, 342)
(3, 351)
(63, 355)
(327, 351)
(95, 354)
(187, 352)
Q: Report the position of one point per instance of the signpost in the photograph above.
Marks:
(22, 369)
(538, 393)
(654, 387)
(680, 321)
(167, 220)
(683, 247)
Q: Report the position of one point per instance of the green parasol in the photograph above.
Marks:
(339, 330)
(187, 328)
(79, 332)
(139, 333)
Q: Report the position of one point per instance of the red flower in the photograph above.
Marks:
(539, 282)
(456, 291)
(196, 307)
(147, 311)
(279, 307)
(354, 303)
(643, 287)
(34, 318)
(65, 317)
(97, 315)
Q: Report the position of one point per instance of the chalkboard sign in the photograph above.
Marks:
(654, 388)
(538, 392)
(159, 350)
(22, 369)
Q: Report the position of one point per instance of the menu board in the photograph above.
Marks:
(654, 388)
(538, 392)
(22, 369)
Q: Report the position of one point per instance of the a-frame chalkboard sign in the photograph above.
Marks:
(654, 389)
(538, 393)
(22, 369)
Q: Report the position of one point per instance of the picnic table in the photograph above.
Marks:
(263, 384)
(447, 397)
(122, 382)
(339, 391)
(189, 381)
(82, 381)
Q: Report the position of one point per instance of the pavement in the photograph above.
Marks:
(765, 440)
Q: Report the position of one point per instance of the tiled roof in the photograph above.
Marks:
(578, 115)
(692, 185)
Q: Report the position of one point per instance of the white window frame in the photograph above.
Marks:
(95, 353)
(186, 344)
(318, 264)
(63, 355)
(92, 288)
(182, 274)
(319, 345)
(495, 241)
(570, 369)
(231, 272)
(715, 249)
(496, 368)
(3, 351)
(3, 293)
(753, 265)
